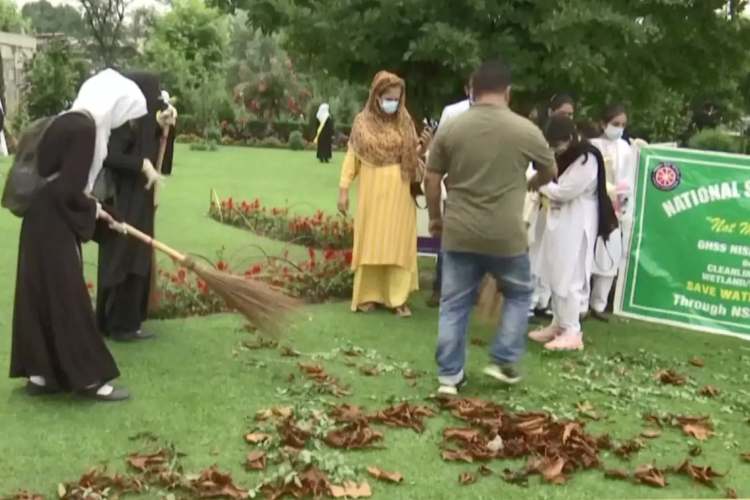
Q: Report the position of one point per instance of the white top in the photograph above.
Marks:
(452, 111)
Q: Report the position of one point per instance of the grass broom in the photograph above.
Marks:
(262, 305)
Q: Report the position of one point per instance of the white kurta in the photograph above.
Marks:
(620, 170)
(571, 227)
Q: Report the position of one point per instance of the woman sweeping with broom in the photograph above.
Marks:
(56, 344)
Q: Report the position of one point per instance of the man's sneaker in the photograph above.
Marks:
(546, 334)
(506, 374)
(568, 341)
(452, 390)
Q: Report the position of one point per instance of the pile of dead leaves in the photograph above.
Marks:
(670, 377)
(404, 415)
(554, 449)
(96, 484)
(700, 428)
(314, 483)
(24, 495)
(330, 384)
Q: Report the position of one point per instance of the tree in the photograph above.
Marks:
(188, 48)
(655, 55)
(105, 20)
(11, 20)
(53, 78)
(47, 18)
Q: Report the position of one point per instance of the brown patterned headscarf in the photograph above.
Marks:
(381, 139)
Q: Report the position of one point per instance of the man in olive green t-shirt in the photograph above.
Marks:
(485, 153)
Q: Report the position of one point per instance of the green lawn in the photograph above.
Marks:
(196, 387)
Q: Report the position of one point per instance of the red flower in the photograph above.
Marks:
(230, 203)
(254, 271)
(311, 253)
(330, 254)
(348, 257)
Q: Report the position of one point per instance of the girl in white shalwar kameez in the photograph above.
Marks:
(620, 168)
(573, 222)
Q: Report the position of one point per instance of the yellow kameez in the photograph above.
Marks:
(384, 258)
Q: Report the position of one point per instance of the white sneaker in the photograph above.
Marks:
(451, 390)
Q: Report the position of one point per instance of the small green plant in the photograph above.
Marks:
(715, 140)
(296, 141)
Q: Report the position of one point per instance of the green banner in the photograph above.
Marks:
(689, 258)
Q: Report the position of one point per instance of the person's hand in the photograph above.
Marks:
(436, 228)
(534, 184)
(152, 176)
(639, 143)
(167, 118)
(425, 139)
(343, 204)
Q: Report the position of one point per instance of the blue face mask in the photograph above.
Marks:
(389, 106)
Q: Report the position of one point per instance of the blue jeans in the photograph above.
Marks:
(462, 276)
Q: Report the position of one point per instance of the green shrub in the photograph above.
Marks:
(296, 141)
(714, 140)
(207, 146)
(271, 142)
(212, 133)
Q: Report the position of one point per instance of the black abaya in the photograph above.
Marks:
(125, 263)
(325, 141)
(54, 329)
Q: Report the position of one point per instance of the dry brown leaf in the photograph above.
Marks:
(650, 475)
(670, 377)
(25, 495)
(697, 362)
(404, 415)
(260, 343)
(604, 442)
(654, 419)
(616, 474)
(97, 483)
(628, 448)
(466, 478)
(351, 490)
(214, 484)
(369, 370)
(731, 493)
(289, 352)
(277, 412)
(699, 428)
(380, 474)
(317, 374)
(461, 434)
(149, 461)
(457, 456)
(651, 433)
(587, 410)
(704, 475)
(485, 471)
(551, 469)
(256, 460)
(745, 457)
(292, 435)
(347, 413)
(355, 435)
(709, 391)
(257, 437)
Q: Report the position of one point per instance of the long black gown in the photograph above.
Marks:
(124, 262)
(54, 329)
(325, 141)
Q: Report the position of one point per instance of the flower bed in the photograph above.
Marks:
(318, 231)
(325, 275)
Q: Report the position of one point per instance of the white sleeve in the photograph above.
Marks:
(574, 182)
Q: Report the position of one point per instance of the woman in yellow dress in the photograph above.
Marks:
(384, 152)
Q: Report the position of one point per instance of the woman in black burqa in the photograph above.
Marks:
(125, 263)
(324, 136)
(56, 344)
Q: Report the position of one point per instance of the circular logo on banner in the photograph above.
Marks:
(666, 177)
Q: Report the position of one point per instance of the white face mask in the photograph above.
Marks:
(389, 106)
(613, 133)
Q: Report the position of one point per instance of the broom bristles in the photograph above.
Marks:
(264, 306)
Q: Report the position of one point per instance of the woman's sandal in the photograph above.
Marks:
(402, 311)
(366, 308)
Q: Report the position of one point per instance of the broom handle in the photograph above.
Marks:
(156, 244)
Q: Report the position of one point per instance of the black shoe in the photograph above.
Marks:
(33, 389)
(132, 336)
(600, 316)
(115, 396)
(545, 313)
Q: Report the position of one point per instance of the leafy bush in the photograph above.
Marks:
(318, 231)
(715, 140)
(212, 133)
(296, 141)
(208, 146)
(187, 138)
(272, 142)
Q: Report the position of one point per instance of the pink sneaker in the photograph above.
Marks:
(546, 334)
(567, 341)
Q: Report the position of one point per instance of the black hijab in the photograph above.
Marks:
(148, 129)
(562, 129)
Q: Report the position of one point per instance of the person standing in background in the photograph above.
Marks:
(579, 211)
(324, 136)
(483, 155)
(125, 264)
(384, 152)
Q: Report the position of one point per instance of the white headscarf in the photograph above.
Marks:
(324, 112)
(112, 100)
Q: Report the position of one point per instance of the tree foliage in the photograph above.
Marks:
(657, 56)
(105, 22)
(53, 78)
(11, 20)
(47, 18)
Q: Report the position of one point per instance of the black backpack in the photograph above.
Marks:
(24, 181)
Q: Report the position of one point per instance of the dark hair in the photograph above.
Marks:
(611, 111)
(560, 129)
(560, 100)
(492, 76)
